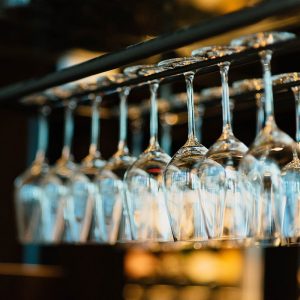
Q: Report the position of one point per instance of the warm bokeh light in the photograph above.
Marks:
(77, 56)
(140, 264)
(230, 267)
(220, 6)
(202, 266)
(201, 274)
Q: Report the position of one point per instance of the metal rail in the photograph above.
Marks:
(154, 46)
(168, 76)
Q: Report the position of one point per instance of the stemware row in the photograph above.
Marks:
(225, 195)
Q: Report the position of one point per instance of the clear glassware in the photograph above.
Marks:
(56, 190)
(144, 179)
(221, 192)
(110, 180)
(180, 182)
(200, 111)
(269, 154)
(83, 192)
(250, 85)
(28, 187)
(291, 173)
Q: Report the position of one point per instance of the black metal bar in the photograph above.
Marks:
(160, 44)
(171, 75)
(204, 67)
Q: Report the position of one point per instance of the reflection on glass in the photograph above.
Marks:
(28, 187)
(227, 215)
(291, 173)
(271, 151)
(55, 185)
(181, 184)
(110, 180)
(80, 205)
(147, 210)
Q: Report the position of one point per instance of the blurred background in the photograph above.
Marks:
(42, 36)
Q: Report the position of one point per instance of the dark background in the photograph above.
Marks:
(35, 34)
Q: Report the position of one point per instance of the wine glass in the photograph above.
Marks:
(221, 191)
(271, 151)
(144, 179)
(181, 184)
(249, 85)
(28, 187)
(291, 173)
(110, 180)
(83, 192)
(56, 190)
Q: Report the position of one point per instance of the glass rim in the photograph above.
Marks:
(212, 52)
(262, 39)
(133, 71)
(247, 85)
(285, 78)
(179, 62)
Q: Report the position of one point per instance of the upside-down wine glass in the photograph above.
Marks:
(221, 194)
(80, 206)
(28, 187)
(291, 172)
(110, 180)
(181, 184)
(54, 226)
(271, 151)
(144, 179)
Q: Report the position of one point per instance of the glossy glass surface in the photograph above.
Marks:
(110, 181)
(80, 209)
(28, 188)
(221, 190)
(291, 172)
(144, 182)
(180, 182)
(56, 189)
(271, 151)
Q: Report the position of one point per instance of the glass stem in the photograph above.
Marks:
(95, 126)
(153, 116)
(189, 78)
(266, 57)
(224, 69)
(42, 133)
(296, 91)
(166, 138)
(122, 146)
(199, 122)
(137, 136)
(260, 114)
(68, 129)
